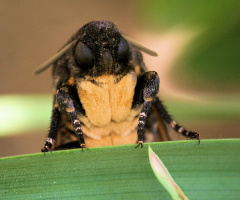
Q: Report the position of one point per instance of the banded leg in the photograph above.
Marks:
(148, 86)
(162, 110)
(65, 104)
(55, 121)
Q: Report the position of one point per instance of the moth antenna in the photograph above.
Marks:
(139, 46)
(51, 60)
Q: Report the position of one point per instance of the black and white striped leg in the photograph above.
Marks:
(168, 119)
(78, 132)
(56, 118)
(66, 104)
(142, 122)
(184, 132)
(48, 145)
(150, 86)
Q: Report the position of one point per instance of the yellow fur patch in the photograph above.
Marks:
(148, 99)
(114, 133)
(71, 80)
(107, 99)
(70, 109)
(137, 70)
(120, 128)
(112, 139)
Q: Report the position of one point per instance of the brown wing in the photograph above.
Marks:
(162, 133)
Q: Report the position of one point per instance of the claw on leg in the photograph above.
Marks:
(140, 143)
(195, 135)
(83, 146)
(48, 145)
(45, 149)
(198, 137)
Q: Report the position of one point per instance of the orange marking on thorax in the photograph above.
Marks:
(71, 80)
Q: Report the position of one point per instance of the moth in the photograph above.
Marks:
(104, 94)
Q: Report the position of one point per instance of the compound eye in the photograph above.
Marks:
(84, 55)
(123, 49)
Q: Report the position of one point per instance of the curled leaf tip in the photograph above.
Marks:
(164, 176)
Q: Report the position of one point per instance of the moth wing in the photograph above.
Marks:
(139, 46)
(162, 133)
(54, 58)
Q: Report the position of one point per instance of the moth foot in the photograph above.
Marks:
(140, 143)
(83, 146)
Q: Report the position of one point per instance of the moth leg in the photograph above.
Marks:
(146, 90)
(56, 119)
(161, 109)
(65, 104)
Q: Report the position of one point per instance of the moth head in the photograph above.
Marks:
(98, 44)
(101, 46)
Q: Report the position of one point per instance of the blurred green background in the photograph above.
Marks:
(211, 62)
(198, 43)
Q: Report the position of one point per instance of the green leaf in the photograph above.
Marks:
(28, 112)
(206, 171)
(164, 177)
